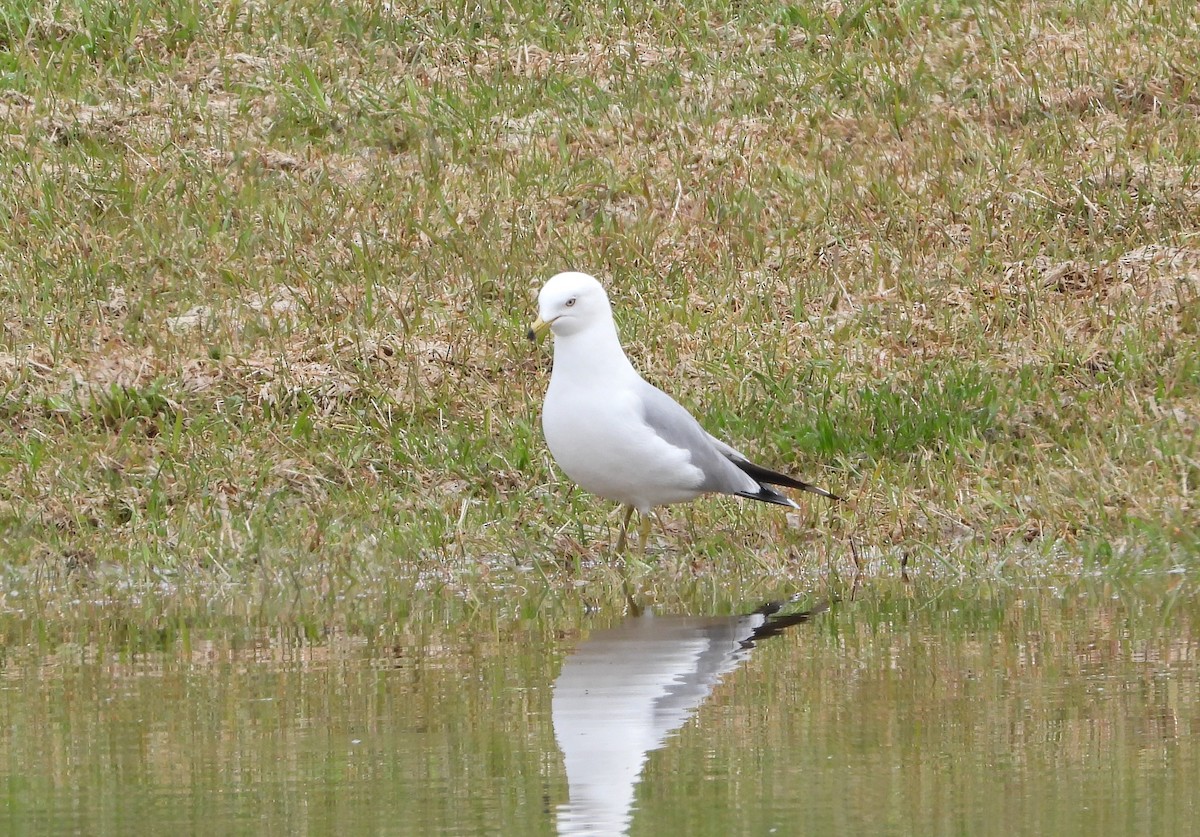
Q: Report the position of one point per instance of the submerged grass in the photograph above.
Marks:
(265, 272)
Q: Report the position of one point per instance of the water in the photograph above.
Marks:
(899, 709)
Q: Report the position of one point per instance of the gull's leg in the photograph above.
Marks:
(624, 529)
(643, 533)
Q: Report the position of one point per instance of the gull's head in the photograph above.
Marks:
(569, 303)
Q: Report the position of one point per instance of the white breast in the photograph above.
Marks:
(602, 443)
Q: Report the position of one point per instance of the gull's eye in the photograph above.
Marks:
(570, 302)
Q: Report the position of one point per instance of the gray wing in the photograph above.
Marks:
(715, 459)
(725, 469)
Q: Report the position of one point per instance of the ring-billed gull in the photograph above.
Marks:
(619, 436)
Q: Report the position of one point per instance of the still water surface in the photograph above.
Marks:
(892, 708)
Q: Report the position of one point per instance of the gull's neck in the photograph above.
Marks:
(590, 356)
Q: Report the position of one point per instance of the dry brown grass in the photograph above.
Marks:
(265, 275)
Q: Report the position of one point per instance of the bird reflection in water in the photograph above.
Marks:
(625, 689)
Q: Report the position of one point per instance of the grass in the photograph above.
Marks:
(266, 269)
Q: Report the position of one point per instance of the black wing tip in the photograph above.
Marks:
(820, 492)
(766, 477)
(800, 485)
(767, 494)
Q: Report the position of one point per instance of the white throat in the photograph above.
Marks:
(591, 355)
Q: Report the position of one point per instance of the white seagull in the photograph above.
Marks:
(617, 435)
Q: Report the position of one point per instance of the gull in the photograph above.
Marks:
(624, 690)
(620, 437)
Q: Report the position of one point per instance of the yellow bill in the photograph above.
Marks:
(537, 329)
